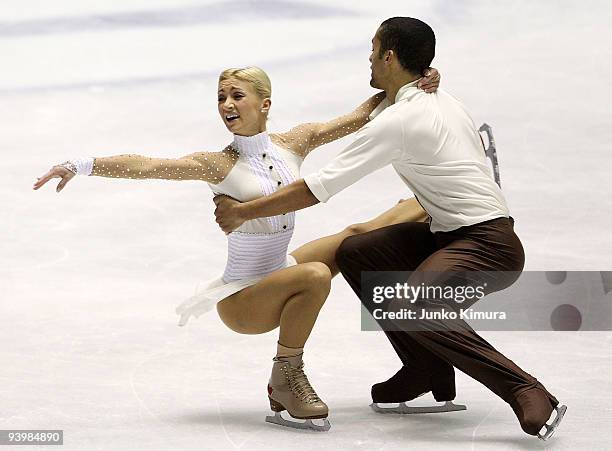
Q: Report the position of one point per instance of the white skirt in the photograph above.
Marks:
(209, 292)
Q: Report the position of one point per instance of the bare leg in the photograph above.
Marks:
(324, 249)
(290, 298)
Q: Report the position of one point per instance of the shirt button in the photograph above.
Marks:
(264, 155)
(279, 183)
(271, 167)
(284, 227)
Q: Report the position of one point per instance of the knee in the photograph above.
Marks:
(314, 285)
(356, 229)
(317, 273)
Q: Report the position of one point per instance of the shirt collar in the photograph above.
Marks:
(407, 91)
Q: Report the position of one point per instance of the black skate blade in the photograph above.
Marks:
(306, 425)
(404, 409)
(552, 427)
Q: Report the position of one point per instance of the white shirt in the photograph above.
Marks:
(433, 145)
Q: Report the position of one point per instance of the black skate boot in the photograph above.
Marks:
(408, 384)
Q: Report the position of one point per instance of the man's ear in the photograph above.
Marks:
(389, 55)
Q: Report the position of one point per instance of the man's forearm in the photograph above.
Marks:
(289, 198)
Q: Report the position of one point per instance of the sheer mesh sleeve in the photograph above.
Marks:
(210, 167)
(303, 138)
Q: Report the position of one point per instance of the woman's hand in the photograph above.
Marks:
(227, 213)
(431, 80)
(55, 172)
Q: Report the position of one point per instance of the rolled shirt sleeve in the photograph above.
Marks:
(376, 145)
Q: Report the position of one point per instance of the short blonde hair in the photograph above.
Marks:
(251, 74)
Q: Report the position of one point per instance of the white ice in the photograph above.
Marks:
(90, 277)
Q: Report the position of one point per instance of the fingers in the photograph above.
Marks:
(226, 229)
(225, 214)
(218, 213)
(431, 80)
(61, 184)
(222, 199)
(54, 172)
(223, 225)
(219, 198)
(219, 207)
(430, 86)
(45, 178)
(227, 224)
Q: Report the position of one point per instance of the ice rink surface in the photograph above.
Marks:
(90, 277)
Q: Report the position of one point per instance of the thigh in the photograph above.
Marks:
(257, 309)
(489, 246)
(399, 247)
(459, 255)
(324, 249)
(469, 262)
(408, 210)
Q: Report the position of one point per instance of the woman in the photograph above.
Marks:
(262, 286)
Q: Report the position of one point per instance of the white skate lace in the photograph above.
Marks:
(299, 384)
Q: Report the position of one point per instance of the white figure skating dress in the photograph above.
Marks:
(259, 246)
(251, 167)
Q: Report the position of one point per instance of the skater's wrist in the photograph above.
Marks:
(244, 211)
(79, 166)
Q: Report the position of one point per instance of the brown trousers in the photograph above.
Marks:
(487, 246)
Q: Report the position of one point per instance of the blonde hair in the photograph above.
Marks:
(253, 75)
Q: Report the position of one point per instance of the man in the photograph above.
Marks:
(432, 143)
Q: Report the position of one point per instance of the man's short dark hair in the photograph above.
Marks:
(412, 40)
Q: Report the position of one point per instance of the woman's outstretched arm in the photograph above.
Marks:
(210, 167)
(205, 166)
(306, 137)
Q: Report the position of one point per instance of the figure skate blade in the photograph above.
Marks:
(550, 428)
(308, 424)
(405, 409)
